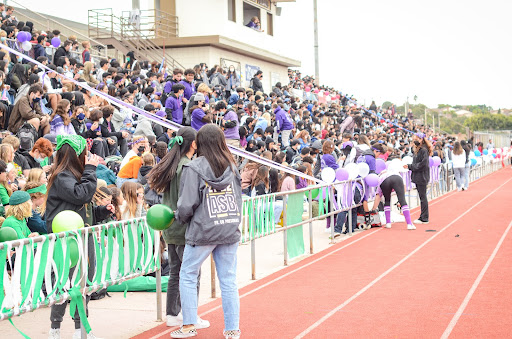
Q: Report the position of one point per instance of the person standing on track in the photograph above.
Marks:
(420, 168)
(210, 202)
(459, 165)
(165, 178)
(389, 182)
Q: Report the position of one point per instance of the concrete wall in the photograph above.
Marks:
(190, 56)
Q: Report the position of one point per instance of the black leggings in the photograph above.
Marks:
(393, 182)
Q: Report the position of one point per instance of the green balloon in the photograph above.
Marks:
(314, 193)
(159, 217)
(8, 234)
(74, 254)
(67, 221)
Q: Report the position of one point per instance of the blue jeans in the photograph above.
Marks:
(459, 176)
(120, 181)
(225, 257)
(343, 215)
(466, 175)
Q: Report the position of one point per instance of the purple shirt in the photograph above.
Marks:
(174, 104)
(329, 161)
(231, 133)
(189, 89)
(197, 119)
(284, 122)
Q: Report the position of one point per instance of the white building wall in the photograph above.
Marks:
(201, 18)
(191, 56)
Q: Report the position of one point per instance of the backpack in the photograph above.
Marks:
(114, 166)
(27, 135)
(215, 81)
(187, 117)
(362, 158)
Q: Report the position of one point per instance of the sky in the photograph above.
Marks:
(442, 51)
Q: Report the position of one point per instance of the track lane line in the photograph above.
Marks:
(392, 268)
(473, 288)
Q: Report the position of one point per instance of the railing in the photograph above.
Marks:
(152, 24)
(37, 271)
(47, 22)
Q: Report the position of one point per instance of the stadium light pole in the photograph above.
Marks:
(315, 20)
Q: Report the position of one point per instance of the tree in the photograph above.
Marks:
(386, 104)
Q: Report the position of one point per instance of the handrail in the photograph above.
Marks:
(66, 27)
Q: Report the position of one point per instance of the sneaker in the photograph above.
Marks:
(78, 335)
(463, 188)
(233, 334)
(201, 323)
(328, 230)
(181, 333)
(466, 188)
(173, 321)
(388, 226)
(54, 333)
(420, 222)
(411, 227)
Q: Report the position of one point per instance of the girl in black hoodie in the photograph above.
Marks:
(72, 187)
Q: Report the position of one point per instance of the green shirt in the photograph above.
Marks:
(175, 234)
(4, 196)
(20, 226)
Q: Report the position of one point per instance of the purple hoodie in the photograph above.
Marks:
(284, 122)
(329, 161)
(231, 133)
(189, 89)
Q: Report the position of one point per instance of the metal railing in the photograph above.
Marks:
(154, 24)
(499, 138)
(49, 24)
(40, 273)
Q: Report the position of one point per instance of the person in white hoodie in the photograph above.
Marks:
(459, 164)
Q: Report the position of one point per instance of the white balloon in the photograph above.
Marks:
(27, 46)
(395, 166)
(353, 171)
(328, 175)
(364, 169)
(407, 160)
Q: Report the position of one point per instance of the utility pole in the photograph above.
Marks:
(425, 117)
(315, 21)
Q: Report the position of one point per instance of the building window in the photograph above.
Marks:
(249, 13)
(270, 24)
(262, 3)
(232, 10)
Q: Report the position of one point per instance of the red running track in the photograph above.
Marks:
(393, 283)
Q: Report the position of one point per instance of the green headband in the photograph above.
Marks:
(178, 139)
(77, 142)
(38, 189)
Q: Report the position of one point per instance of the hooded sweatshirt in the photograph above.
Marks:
(212, 206)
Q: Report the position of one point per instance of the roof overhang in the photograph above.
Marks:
(229, 45)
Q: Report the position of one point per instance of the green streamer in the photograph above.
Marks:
(23, 334)
(77, 303)
(40, 273)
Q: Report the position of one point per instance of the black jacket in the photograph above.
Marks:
(66, 193)
(257, 85)
(420, 167)
(106, 133)
(60, 52)
(32, 163)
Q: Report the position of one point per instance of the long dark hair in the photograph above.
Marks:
(211, 144)
(457, 148)
(66, 160)
(61, 111)
(162, 174)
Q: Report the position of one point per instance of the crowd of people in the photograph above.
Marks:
(64, 147)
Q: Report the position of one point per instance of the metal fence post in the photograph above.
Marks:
(285, 237)
(212, 269)
(158, 280)
(331, 204)
(253, 245)
(85, 273)
(310, 216)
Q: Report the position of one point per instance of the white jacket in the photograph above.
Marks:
(459, 161)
